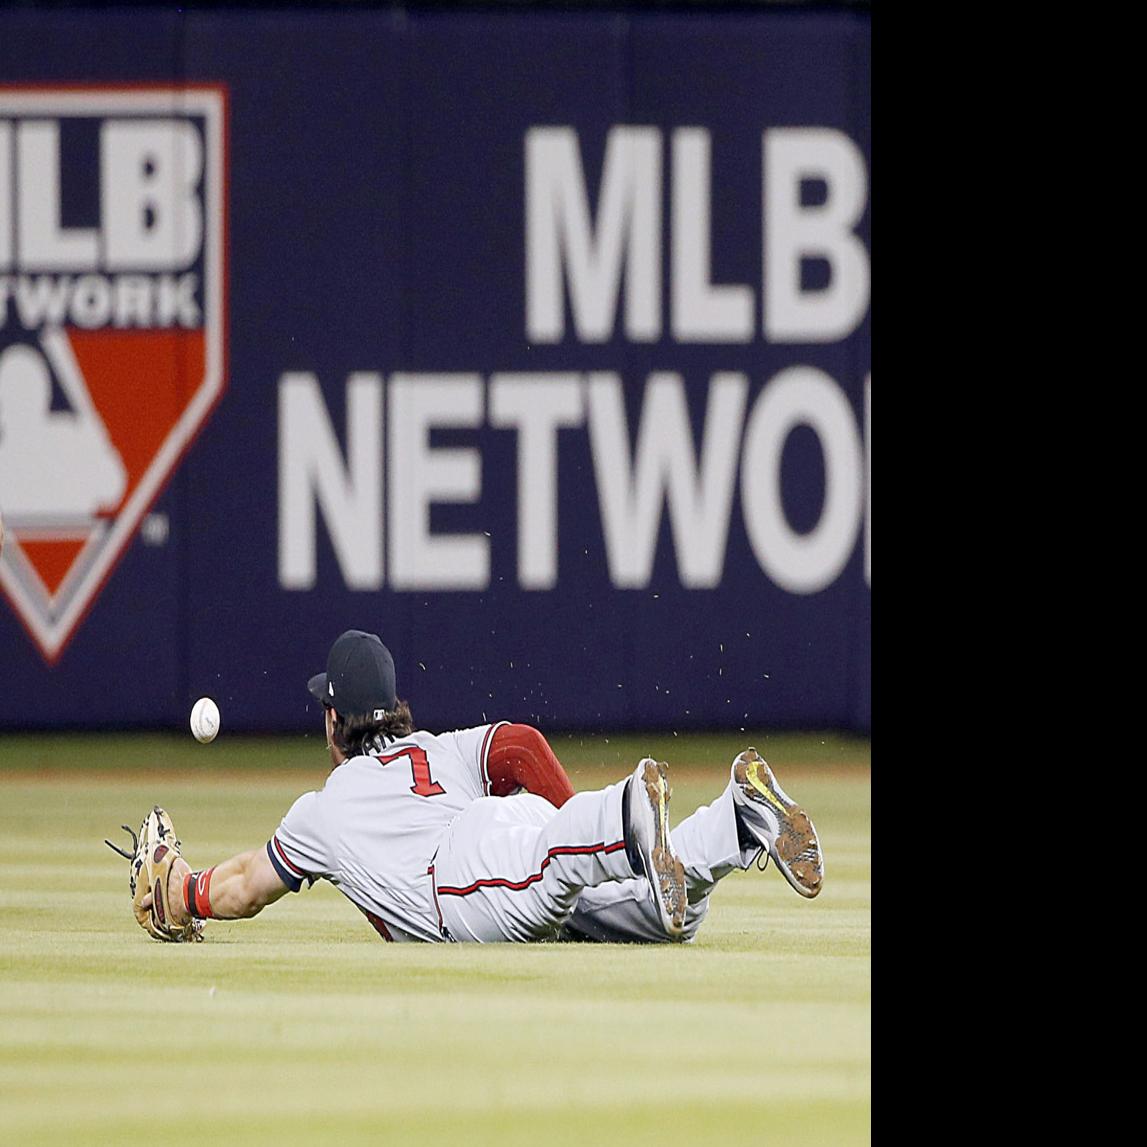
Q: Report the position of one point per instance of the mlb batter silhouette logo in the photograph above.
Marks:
(112, 325)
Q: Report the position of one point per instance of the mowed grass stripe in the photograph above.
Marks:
(552, 1118)
(416, 1050)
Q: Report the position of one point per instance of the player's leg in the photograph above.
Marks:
(770, 818)
(753, 814)
(486, 864)
(513, 868)
(708, 845)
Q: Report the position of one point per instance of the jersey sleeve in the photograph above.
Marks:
(473, 747)
(298, 848)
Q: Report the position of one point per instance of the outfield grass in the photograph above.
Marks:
(301, 1026)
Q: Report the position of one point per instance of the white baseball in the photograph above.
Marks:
(205, 720)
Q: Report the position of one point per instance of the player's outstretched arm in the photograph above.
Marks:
(234, 890)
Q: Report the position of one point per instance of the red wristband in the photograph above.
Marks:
(197, 894)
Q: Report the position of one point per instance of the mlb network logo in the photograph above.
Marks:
(113, 343)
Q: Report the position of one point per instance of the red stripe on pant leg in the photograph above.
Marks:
(519, 885)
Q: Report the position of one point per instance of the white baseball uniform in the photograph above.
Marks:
(411, 836)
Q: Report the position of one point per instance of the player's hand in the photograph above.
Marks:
(179, 869)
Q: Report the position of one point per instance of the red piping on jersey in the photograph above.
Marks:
(437, 906)
(377, 924)
(518, 885)
(286, 860)
(485, 755)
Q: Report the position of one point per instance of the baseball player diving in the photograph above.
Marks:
(477, 834)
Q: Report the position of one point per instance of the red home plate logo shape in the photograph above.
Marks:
(112, 325)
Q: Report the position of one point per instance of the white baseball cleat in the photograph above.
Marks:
(649, 795)
(778, 823)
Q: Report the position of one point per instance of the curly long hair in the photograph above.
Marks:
(357, 734)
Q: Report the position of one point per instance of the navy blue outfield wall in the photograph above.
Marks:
(537, 343)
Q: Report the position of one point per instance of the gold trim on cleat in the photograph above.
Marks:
(753, 775)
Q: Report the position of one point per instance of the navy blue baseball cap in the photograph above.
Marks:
(360, 676)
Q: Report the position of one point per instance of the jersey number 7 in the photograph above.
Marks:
(424, 785)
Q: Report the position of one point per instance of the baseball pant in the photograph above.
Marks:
(707, 845)
(517, 869)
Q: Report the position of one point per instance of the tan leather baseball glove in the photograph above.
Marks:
(154, 851)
